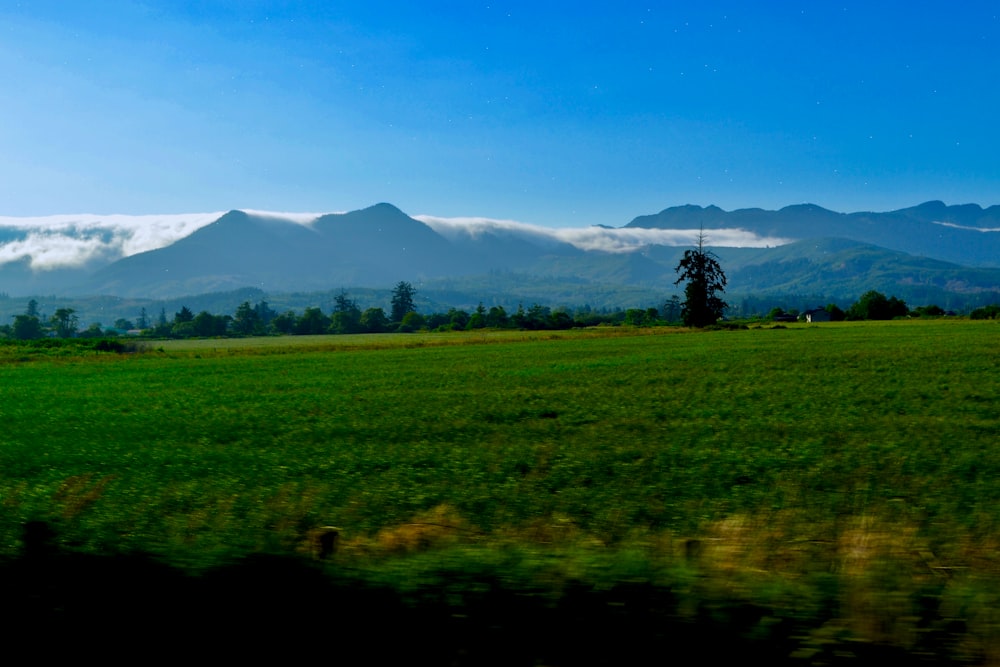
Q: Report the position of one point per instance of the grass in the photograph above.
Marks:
(852, 465)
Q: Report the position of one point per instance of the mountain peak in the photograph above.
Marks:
(383, 207)
(683, 217)
(805, 208)
(687, 209)
(235, 214)
(381, 215)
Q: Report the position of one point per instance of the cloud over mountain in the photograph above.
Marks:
(923, 252)
(72, 241)
(596, 238)
(61, 241)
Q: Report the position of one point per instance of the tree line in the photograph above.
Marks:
(701, 307)
(874, 305)
(345, 317)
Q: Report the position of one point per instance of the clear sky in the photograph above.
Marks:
(551, 113)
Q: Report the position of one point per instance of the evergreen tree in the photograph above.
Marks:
(183, 315)
(346, 317)
(700, 269)
(247, 320)
(402, 300)
(265, 313)
(672, 309)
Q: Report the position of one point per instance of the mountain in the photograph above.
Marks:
(966, 234)
(920, 254)
(237, 250)
(241, 249)
(376, 246)
(18, 277)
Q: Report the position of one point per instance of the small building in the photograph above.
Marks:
(817, 315)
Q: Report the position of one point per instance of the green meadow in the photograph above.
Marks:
(847, 475)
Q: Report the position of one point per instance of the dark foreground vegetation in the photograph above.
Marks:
(58, 602)
(801, 494)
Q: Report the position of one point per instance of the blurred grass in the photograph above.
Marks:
(847, 467)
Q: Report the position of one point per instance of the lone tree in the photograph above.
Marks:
(705, 280)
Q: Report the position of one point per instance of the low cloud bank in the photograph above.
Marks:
(604, 239)
(64, 241)
(68, 241)
(52, 250)
(73, 241)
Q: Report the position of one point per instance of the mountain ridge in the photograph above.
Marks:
(910, 251)
(915, 230)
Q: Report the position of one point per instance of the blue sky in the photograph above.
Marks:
(543, 112)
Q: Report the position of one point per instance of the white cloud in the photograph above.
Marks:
(74, 240)
(300, 218)
(454, 228)
(55, 241)
(46, 250)
(971, 229)
(623, 239)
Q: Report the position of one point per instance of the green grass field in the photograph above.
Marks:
(769, 464)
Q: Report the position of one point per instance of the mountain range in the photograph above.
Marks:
(968, 235)
(948, 255)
